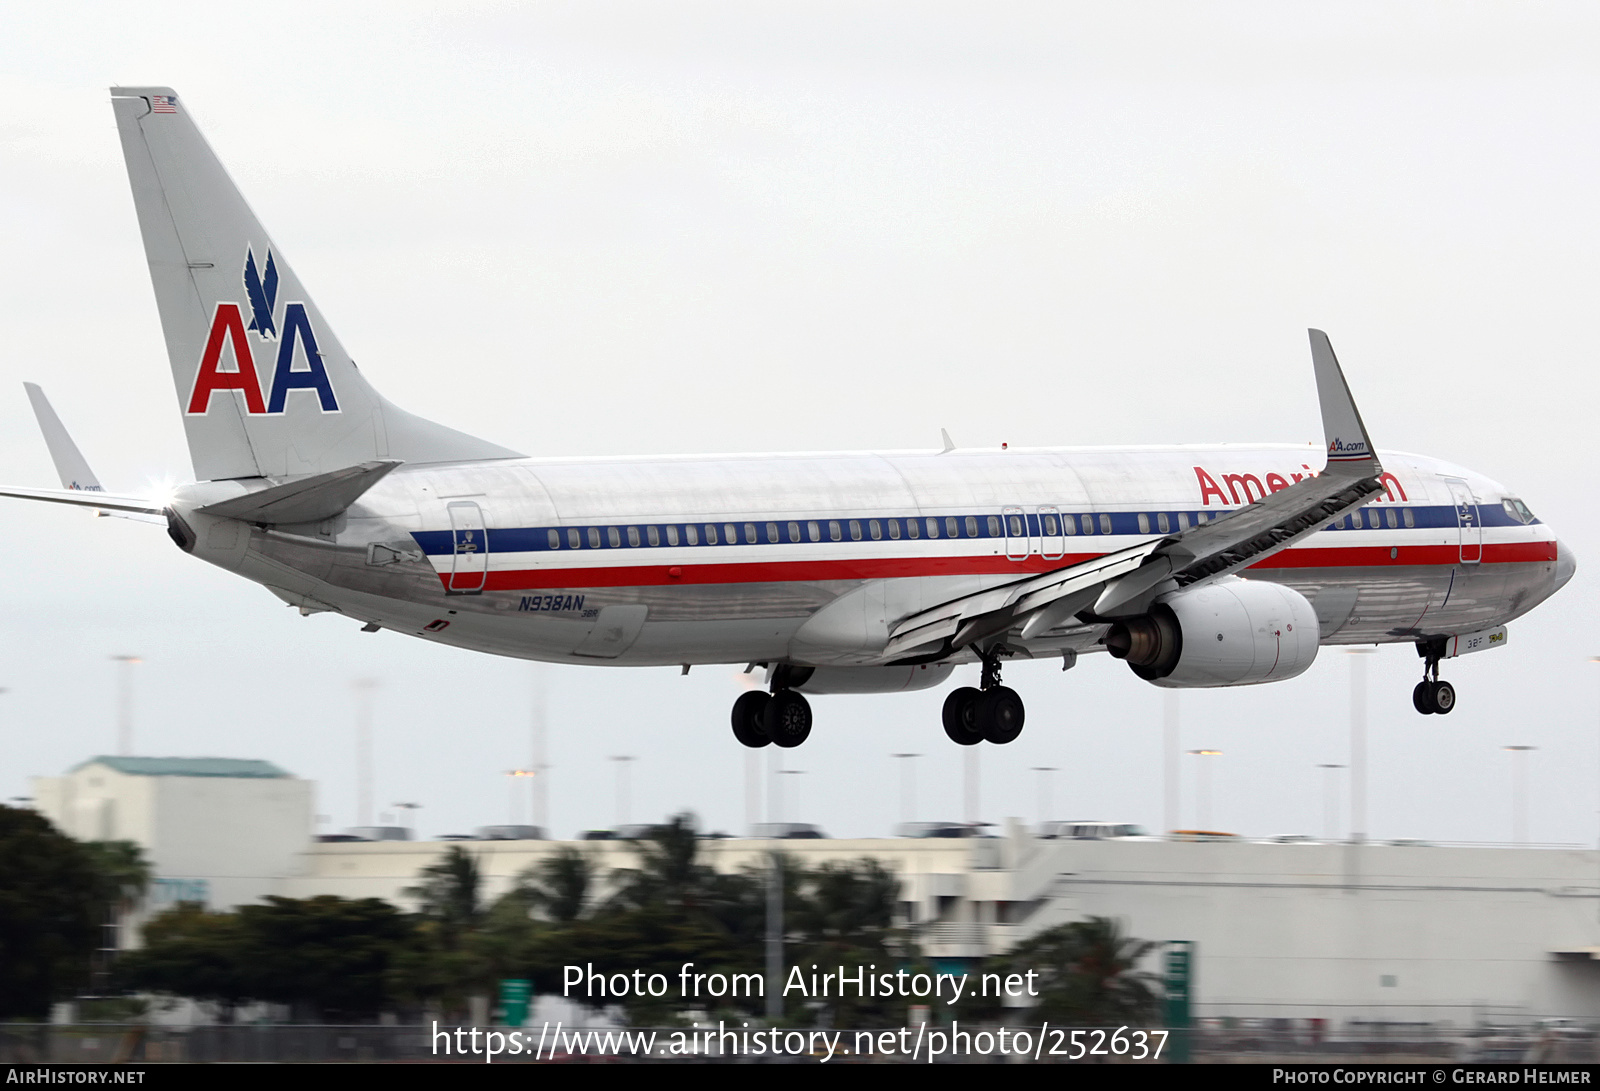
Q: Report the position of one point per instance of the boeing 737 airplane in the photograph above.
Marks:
(836, 573)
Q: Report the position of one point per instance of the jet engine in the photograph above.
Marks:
(1234, 632)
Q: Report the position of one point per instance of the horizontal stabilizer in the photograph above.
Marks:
(309, 500)
(79, 498)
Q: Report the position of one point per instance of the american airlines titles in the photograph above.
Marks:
(1248, 488)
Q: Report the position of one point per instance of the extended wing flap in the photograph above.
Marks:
(1133, 577)
(1012, 600)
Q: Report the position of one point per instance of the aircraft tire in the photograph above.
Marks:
(1422, 699)
(747, 719)
(1442, 695)
(787, 718)
(961, 716)
(1000, 715)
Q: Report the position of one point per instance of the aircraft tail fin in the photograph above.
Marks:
(265, 388)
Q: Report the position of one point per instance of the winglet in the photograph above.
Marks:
(1350, 451)
(71, 466)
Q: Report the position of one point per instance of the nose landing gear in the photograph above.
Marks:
(1432, 695)
(993, 713)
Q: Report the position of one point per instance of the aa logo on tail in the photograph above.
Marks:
(229, 340)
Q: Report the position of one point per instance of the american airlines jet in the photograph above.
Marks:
(836, 573)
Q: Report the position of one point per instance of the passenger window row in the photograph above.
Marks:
(1013, 525)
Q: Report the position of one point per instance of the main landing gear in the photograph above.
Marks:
(1432, 695)
(992, 713)
(782, 717)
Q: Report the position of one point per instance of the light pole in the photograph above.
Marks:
(1171, 755)
(539, 790)
(1595, 659)
(623, 761)
(1358, 742)
(364, 688)
(787, 773)
(1204, 776)
(512, 776)
(125, 703)
(1044, 772)
(908, 787)
(971, 773)
(1519, 793)
(1330, 801)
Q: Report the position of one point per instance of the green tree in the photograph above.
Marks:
(331, 957)
(1087, 974)
(191, 952)
(842, 917)
(451, 893)
(124, 876)
(50, 908)
(557, 887)
(451, 960)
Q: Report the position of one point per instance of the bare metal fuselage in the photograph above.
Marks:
(630, 562)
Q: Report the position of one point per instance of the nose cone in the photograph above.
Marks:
(1566, 564)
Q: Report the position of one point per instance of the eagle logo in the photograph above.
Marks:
(262, 291)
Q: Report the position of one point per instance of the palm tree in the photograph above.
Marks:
(558, 885)
(451, 893)
(1087, 976)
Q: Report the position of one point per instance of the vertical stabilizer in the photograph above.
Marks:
(264, 386)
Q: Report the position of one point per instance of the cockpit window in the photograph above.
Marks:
(1517, 509)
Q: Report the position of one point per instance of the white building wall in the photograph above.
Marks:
(234, 839)
(1394, 933)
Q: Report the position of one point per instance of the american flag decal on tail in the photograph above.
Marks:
(163, 104)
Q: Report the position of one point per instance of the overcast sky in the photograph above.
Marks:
(606, 228)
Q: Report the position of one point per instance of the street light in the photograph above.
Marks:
(622, 760)
(125, 703)
(1205, 786)
(364, 688)
(1519, 793)
(908, 787)
(512, 775)
(410, 810)
(779, 801)
(1330, 802)
(1044, 772)
(1358, 742)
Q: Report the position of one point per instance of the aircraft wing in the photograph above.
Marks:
(1127, 582)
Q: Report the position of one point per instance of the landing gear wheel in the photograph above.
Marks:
(1422, 699)
(1442, 696)
(961, 716)
(787, 718)
(1000, 715)
(747, 719)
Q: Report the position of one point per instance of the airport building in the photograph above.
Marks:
(1368, 933)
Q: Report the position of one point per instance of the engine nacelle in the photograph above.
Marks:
(1233, 632)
